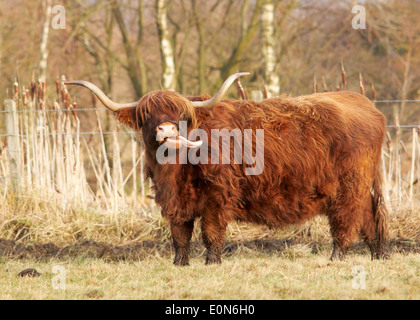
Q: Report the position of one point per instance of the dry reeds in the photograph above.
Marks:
(57, 160)
(78, 185)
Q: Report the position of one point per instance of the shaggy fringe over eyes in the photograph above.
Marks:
(169, 102)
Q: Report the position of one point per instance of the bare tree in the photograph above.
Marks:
(166, 50)
(271, 77)
(395, 24)
(248, 33)
(44, 42)
(133, 59)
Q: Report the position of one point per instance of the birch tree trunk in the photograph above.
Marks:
(268, 49)
(166, 50)
(44, 42)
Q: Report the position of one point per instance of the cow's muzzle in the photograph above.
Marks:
(168, 134)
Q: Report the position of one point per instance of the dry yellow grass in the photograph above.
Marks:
(295, 272)
(245, 276)
(30, 219)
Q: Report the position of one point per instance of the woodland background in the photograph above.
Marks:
(74, 168)
(130, 47)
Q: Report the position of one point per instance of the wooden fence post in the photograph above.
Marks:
(13, 147)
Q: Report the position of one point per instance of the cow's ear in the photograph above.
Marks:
(128, 117)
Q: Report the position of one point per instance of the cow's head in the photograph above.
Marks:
(158, 113)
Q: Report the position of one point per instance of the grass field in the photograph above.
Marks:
(248, 275)
(129, 256)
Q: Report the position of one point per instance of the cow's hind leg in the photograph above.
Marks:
(181, 235)
(370, 233)
(344, 225)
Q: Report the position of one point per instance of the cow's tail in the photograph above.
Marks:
(380, 215)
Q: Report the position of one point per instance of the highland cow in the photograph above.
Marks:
(321, 155)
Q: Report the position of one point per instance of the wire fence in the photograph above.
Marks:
(54, 110)
(124, 132)
(46, 150)
(394, 101)
(72, 133)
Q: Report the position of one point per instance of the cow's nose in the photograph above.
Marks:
(166, 130)
(167, 127)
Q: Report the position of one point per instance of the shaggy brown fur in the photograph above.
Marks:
(321, 156)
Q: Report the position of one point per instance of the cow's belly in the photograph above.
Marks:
(279, 211)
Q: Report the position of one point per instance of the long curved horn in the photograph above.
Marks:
(111, 105)
(222, 91)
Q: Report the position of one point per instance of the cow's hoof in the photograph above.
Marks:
(213, 260)
(338, 255)
(181, 261)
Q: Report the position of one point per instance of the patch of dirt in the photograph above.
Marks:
(135, 252)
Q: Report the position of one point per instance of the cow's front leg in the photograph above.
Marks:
(213, 232)
(181, 235)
